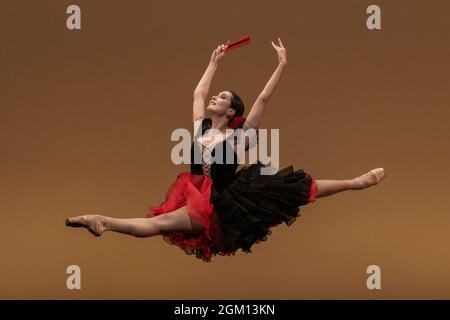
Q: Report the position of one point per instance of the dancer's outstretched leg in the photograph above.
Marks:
(177, 220)
(328, 187)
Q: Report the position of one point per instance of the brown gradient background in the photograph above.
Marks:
(86, 118)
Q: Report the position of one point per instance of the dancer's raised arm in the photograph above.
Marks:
(256, 112)
(202, 89)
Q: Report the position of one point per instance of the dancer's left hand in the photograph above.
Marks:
(281, 51)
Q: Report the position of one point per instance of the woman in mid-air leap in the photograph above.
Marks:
(215, 209)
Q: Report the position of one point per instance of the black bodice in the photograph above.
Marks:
(222, 173)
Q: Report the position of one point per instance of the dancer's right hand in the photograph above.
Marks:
(219, 52)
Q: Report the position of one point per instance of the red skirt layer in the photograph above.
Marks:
(194, 192)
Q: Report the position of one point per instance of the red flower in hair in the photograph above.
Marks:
(236, 122)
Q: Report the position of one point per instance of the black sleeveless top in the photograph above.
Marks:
(222, 173)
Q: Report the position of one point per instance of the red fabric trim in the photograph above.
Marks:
(313, 191)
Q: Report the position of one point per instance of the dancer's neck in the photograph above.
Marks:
(219, 123)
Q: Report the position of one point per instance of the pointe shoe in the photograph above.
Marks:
(373, 177)
(94, 223)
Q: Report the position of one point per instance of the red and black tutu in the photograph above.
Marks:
(239, 216)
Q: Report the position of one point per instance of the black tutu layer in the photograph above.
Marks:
(253, 203)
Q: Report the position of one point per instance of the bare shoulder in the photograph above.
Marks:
(198, 125)
(249, 125)
(198, 119)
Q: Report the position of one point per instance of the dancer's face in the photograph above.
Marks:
(220, 104)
